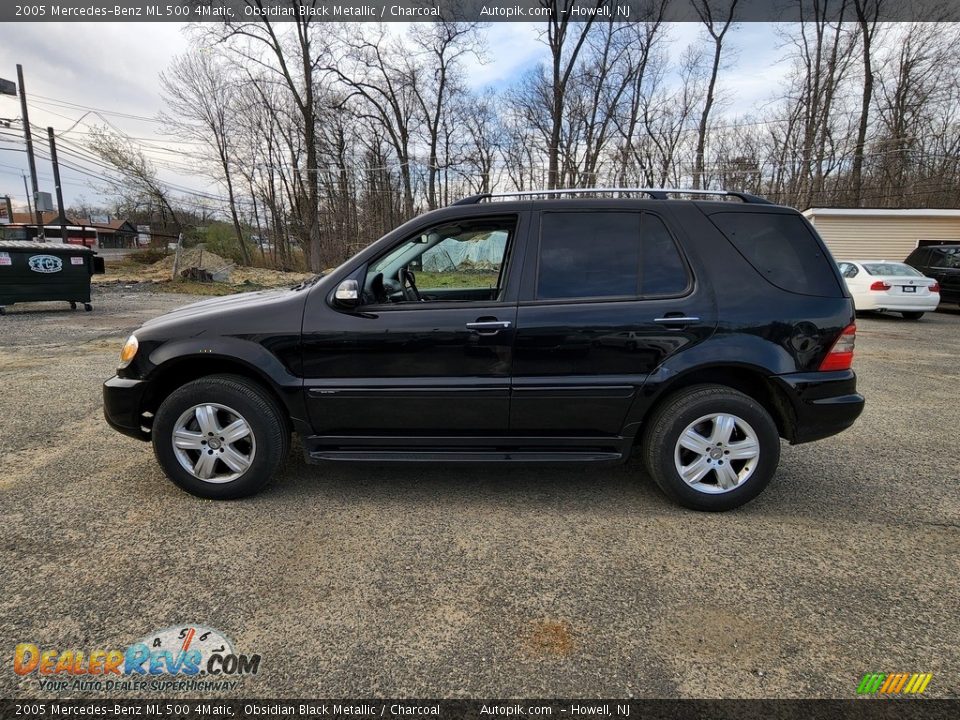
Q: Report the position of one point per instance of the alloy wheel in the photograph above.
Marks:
(717, 453)
(214, 443)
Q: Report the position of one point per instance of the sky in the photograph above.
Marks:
(79, 75)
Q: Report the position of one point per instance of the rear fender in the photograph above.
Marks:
(720, 361)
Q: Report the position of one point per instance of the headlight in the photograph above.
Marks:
(129, 351)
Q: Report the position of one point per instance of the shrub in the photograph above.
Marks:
(147, 256)
(221, 239)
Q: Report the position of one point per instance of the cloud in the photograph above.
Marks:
(512, 49)
(111, 65)
(114, 66)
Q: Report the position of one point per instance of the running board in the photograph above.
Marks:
(464, 456)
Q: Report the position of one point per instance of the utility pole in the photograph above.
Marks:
(8, 208)
(26, 191)
(30, 159)
(56, 182)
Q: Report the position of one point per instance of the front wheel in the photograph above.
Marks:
(912, 315)
(710, 447)
(220, 437)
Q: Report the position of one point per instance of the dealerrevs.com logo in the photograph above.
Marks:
(185, 657)
(894, 683)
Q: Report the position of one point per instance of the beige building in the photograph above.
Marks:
(880, 234)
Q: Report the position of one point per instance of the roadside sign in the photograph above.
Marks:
(7, 87)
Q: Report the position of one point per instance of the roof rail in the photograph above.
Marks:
(655, 193)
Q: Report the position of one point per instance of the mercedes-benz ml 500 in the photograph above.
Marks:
(556, 326)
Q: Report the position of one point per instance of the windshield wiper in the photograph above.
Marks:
(309, 282)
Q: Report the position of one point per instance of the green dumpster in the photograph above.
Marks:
(37, 272)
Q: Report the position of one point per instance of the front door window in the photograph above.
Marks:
(462, 261)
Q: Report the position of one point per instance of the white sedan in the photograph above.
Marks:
(890, 286)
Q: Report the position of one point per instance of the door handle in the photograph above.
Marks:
(488, 327)
(679, 320)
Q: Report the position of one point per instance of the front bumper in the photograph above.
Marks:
(121, 406)
(824, 403)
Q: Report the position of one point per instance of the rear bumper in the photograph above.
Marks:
(121, 406)
(899, 303)
(824, 403)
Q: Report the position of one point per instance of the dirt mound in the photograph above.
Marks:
(194, 258)
(203, 265)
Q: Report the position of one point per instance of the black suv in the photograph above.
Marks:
(941, 262)
(551, 327)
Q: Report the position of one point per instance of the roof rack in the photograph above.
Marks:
(655, 193)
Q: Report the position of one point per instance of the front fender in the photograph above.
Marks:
(247, 352)
(182, 360)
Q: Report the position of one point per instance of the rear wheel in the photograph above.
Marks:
(710, 447)
(220, 437)
(912, 315)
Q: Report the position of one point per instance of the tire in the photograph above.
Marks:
(912, 315)
(236, 468)
(702, 409)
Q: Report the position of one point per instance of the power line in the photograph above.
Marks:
(114, 113)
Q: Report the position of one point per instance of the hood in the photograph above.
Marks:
(222, 305)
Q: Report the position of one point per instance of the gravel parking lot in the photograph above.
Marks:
(477, 582)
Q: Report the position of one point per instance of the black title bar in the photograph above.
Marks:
(160, 709)
(240, 11)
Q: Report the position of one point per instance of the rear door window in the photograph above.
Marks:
(783, 249)
(607, 255)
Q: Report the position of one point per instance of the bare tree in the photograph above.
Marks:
(383, 78)
(442, 45)
(136, 183)
(867, 13)
(565, 46)
(717, 23)
(291, 53)
(199, 96)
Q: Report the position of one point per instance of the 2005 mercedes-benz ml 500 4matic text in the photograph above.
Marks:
(555, 326)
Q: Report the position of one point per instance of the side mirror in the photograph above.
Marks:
(348, 293)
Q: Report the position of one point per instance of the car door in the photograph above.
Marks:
(440, 366)
(607, 296)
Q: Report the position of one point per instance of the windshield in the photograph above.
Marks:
(888, 269)
(410, 247)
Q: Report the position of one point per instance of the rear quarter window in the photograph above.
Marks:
(783, 249)
(918, 257)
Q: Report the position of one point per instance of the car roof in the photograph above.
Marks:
(565, 203)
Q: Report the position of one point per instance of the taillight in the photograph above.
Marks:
(880, 285)
(935, 287)
(840, 356)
